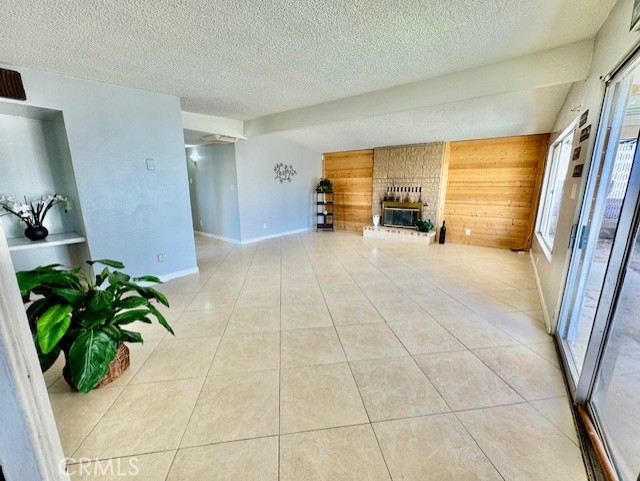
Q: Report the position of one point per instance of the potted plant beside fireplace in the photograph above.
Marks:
(424, 225)
(87, 319)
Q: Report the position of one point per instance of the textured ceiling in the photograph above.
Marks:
(247, 58)
(519, 113)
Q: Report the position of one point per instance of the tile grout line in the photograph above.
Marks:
(438, 391)
(399, 340)
(364, 406)
(212, 359)
(475, 441)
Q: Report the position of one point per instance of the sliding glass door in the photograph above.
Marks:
(599, 221)
(599, 323)
(615, 401)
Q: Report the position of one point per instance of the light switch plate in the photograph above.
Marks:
(151, 164)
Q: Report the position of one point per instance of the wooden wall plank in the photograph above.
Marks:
(352, 175)
(493, 188)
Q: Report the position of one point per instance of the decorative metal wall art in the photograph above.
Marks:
(284, 172)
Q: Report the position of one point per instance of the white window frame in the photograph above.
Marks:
(548, 187)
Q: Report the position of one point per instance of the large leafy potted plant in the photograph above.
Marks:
(85, 319)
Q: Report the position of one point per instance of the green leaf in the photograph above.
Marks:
(36, 309)
(107, 262)
(131, 302)
(148, 279)
(130, 336)
(100, 278)
(42, 279)
(101, 300)
(159, 296)
(48, 360)
(128, 317)
(52, 326)
(113, 332)
(117, 278)
(30, 280)
(74, 296)
(91, 319)
(161, 318)
(89, 358)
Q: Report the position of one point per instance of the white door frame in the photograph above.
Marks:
(24, 370)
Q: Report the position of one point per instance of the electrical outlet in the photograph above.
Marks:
(200, 223)
(467, 232)
(264, 226)
(151, 164)
(190, 180)
(160, 257)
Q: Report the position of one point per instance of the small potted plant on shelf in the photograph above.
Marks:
(86, 319)
(33, 212)
(324, 185)
(424, 225)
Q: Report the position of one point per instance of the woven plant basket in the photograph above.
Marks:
(119, 365)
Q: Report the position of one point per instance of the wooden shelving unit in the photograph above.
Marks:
(324, 211)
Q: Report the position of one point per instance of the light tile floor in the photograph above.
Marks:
(331, 357)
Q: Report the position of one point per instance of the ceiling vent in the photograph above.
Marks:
(219, 139)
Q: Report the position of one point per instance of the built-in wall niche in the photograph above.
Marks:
(35, 160)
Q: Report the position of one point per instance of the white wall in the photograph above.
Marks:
(130, 213)
(612, 44)
(213, 186)
(285, 207)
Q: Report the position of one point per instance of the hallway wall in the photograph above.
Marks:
(213, 189)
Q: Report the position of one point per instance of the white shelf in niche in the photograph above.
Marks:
(22, 243)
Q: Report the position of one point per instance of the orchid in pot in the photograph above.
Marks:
(32, 212)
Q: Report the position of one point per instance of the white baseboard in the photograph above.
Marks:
(219, 237)
(182, 273)
(543, 304)
(273, 236)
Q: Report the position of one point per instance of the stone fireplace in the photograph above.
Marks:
(408, 174)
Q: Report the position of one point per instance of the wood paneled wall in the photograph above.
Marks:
(352, 176)
(493, 188)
